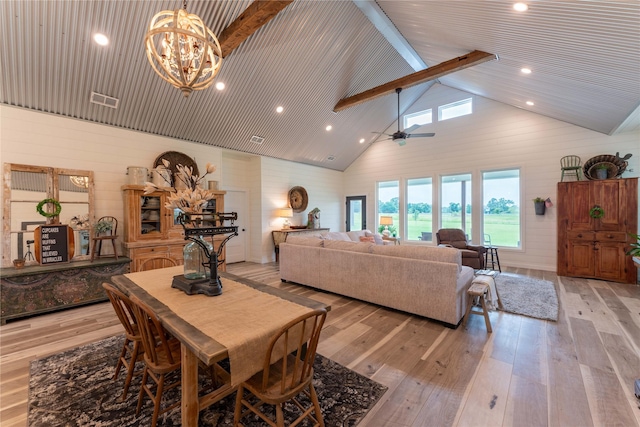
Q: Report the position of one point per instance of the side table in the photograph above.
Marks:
(491, 258)
(395, 240)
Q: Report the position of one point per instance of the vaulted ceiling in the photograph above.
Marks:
(584, 56)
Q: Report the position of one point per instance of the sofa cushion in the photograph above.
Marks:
(348, 246)
(305, 241)
(440, 254)
(336, 235)
(369, 239)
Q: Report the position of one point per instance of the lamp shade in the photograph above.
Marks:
(386, 220)
(284, 213)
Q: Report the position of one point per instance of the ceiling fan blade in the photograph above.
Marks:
(421, 135)
(412, 128)
(382, 133)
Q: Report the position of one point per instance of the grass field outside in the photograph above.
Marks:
(504, 229)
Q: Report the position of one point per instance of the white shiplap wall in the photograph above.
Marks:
(495, 136)
(33, 138)
(323, 186)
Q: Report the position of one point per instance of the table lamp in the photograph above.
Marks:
(386, 221)
(285, 213)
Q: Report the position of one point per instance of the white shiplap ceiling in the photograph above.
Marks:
(585, 57)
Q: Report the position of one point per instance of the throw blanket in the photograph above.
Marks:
(492, 295)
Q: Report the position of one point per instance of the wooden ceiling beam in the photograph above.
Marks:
(456, 64)
(255, 16)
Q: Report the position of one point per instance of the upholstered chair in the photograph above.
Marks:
(472, 256)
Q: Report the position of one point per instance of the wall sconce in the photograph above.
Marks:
(285, 213)
(386, 221)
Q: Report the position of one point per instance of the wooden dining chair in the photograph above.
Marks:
(129, 355)
(289, 376)
(161, 356)
(111, 235)
(157, 262)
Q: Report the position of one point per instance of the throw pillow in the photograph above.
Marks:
(369, 239)
(377, 238)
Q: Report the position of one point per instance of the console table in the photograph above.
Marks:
(280, 236)
(41, 289)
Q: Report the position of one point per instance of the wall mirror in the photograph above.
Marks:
(24, 187)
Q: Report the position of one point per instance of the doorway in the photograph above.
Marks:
(236, 247)
(356, 213)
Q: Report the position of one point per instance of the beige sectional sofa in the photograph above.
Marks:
(427, 281)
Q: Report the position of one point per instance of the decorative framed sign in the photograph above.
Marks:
(54, 243)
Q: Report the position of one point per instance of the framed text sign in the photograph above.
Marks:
(54, 243)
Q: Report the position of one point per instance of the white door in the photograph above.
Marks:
(236, 201)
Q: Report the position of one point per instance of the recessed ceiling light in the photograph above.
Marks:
(361, 140)
(328, 128)
(100, 39)
(520, 7)
(530, 103)
(279, 109)
(525, 70)
(220, 86)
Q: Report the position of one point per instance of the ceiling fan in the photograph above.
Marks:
(401, 136)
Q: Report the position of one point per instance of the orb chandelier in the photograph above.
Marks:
(182, 50)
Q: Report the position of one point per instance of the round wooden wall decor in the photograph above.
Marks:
(298, 199)
(175, 158)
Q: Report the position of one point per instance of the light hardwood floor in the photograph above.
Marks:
(578, 371)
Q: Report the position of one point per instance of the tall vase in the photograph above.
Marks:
(194, 258)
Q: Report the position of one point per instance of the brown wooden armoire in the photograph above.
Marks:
(594, 222)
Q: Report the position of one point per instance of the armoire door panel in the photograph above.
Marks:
(579, 204)
(580, 257)
(610, 260)
(607, 196)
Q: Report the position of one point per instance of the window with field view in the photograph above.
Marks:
(419, 204)
(389, 205)
(501, 208)
(455, 198)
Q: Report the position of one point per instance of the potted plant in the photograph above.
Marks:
(539, 204)
(635, 249)
(103, 227)
(602, 171)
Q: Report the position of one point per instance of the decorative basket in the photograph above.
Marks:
(619, 163)
(612, 170)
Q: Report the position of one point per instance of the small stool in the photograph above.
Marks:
(478, 290)
(491, 258)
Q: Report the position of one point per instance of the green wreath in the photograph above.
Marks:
(596, 212)
(54, 202)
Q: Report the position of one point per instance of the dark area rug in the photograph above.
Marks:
(527, 296)
(75, 388)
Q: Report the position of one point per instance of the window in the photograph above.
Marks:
(389, 205)
(419, 118)
(419, 204)
(455, 204)
(501, 207)
(456, 109)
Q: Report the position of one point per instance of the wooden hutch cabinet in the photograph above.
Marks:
(592, 242)
(152, 231)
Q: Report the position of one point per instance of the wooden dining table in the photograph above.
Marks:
(237, 324)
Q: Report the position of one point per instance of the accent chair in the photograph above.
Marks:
(472, 255)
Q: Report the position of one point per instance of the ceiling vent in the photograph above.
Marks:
(257, 139)
(104, 100)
